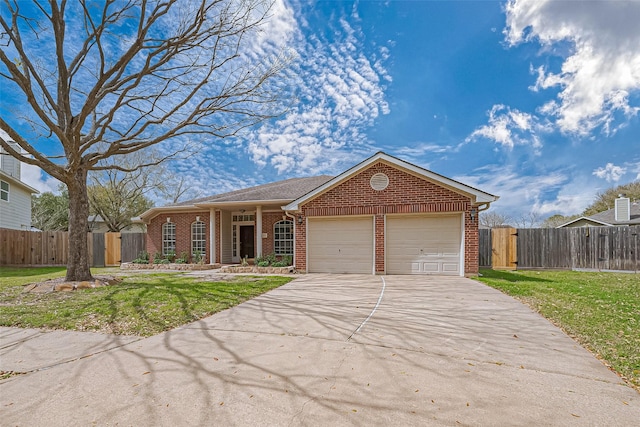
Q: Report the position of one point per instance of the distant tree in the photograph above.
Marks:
(102, 80)
(172, 187)
(494, 219)
(528, 220)
(119, 196)
(555, 220)
(50, 212)
(606, 200)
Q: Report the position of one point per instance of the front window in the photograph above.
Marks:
(4, 191)
(283, 238)
(168, 238)
(198, 241)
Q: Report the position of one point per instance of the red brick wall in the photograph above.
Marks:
(406, 193)
(183, 221)
(268, 221)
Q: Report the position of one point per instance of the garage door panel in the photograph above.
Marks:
(423, 244)
(340, 245)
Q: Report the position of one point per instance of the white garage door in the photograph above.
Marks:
(340, 245)
(423, 244)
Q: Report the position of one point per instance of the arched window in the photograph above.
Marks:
(168, 238)
(198, 239)
(283, 238)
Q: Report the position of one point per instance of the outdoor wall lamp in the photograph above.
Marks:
(300, 220)
(473, 214)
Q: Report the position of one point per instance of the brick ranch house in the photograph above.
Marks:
(382, 216)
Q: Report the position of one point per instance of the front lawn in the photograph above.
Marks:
(143, 304)
(600, 310)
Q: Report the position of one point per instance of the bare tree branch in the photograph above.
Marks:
(101, 82)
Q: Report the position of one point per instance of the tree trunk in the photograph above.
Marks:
(78, 263)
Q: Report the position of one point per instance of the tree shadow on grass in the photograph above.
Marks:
(510, 277)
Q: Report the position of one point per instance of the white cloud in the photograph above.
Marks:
(610, 172)
(509, 127)
(557, 191)
(34, 177)
(340, 93)
(602, 69)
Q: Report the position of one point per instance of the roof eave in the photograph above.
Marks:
(16, 181)
(242, 203)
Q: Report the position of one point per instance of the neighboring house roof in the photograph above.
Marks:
(12, 180)
(476, 195)
(278, 193)
(586, 219)
(609, 216)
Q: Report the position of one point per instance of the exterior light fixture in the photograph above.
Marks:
(300, 220)
(473, 214)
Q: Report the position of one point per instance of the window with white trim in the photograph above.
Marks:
(4, 191)
(198, 239)
(168, 238)
(283, 238)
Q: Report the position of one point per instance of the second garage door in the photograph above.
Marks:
(423, 244)
(340, 245)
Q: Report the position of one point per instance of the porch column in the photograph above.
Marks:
(258, 231)
(212, 236)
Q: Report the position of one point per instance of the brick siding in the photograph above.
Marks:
(406, 193)
(183, 221)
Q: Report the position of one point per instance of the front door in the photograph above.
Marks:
(246, 241)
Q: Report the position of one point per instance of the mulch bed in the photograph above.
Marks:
(62, 285)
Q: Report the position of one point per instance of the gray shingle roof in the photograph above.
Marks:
(289, 189)
(610, 216)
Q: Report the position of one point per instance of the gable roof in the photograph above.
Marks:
(12, 180)
(609, 216)
(595, 222)
(478, 196)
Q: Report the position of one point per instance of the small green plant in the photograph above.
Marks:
(156, 258)
(271, 258)
(143, 258)
(183, 259)
(262, 263)
(245, 261)
(198, 257)
(170, 256)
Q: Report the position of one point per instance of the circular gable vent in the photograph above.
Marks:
(379, 181)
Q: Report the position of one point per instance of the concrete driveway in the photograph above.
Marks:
(435, 351)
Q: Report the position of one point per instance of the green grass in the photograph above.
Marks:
(143, 304)
(600, 310)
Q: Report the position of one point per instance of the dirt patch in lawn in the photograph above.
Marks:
(62, 285)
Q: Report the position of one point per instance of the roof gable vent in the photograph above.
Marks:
(623, 209)
(379, 181)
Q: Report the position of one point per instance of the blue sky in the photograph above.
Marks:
(535, 101)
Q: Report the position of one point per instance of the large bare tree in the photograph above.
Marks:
(84, 82)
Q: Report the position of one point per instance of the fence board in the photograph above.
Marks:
(19, 247)
(131, 245)
(503, 248)
(112, 249)
(98, 250)
(484, 247)
(599, 248)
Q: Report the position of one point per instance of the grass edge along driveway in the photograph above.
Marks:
(143, 304)
(599, 310)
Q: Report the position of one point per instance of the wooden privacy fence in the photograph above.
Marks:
(599, 248)
(19, 247)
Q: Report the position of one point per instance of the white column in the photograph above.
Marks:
(212, 236)
(258, 231)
